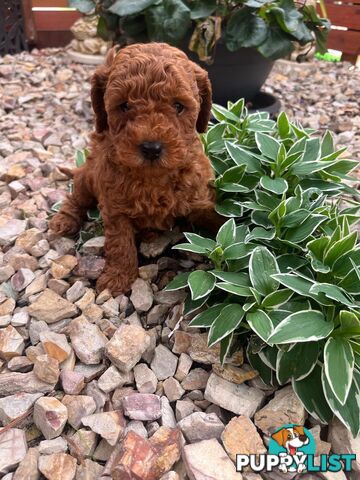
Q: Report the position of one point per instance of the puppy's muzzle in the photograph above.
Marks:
(151, 151)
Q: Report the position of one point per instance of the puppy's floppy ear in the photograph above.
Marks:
(299, 429)
(98, 86)
(205, 92)
(279, 436)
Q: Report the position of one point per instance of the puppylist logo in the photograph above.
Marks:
(292, 448)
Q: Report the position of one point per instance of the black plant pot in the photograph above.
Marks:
(236, 74)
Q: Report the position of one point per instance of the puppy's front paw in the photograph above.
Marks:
(62, 224)
(116, 282)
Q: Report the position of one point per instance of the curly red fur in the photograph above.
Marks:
(134, 194)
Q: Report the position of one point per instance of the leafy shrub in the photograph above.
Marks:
(272, 27)
(286, 277)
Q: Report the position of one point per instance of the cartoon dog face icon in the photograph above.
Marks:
(291, 439)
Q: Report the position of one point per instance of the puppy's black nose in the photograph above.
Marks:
(151, 150)
(303, 438)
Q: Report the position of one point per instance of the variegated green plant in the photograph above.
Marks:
(285, 282)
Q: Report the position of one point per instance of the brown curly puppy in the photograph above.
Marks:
(147, 166)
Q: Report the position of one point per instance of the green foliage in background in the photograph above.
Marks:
(272, 27)
(285, 281)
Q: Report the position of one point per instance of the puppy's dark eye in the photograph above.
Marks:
(179, 107)
(124, 107)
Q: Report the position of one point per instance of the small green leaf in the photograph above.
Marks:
(331, 291)
(261, 266)
(275, 185)
(303, 231)
(238, 250)
(234, 289)
(245, 29)
(339, 366)
(226, 235)
(283, 125)
(203, 242)
(267, 145)
(261, 324)
(243, 157)
(339, 248)
(201, 283)
(229, 208)
(190, 247)
(225, 345)
(237, 278)
(180, 281)
(206, 318)
(228, 320)
(260, 233)
(277, 298)
(303, 326)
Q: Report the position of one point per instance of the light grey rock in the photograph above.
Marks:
(145, 379)
(28, 467)
(50, 416)
(13, 449)
(208, 460)
(14, 382)
(126, 346)
(109, 425)
(75, 292)
(51, 308)
(20, 319)
(87, 341)
(201, 426)
(173, 390)
(57, 445)
(142, 296)
(343, 442)
(239, 399)
(164, 363)
(112, 379)
(11, 230)
(78, 406)
(184, 366)
(13, 406)
(137, 427)
(142, 406)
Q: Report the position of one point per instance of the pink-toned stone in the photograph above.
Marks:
(72, 382)
(50, 416)
(11, 343)
(78, 406)
(142, 406)
(109, 425)
(58, 466)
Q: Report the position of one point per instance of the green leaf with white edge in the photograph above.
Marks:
(192, 306)
(294, 219)
(179, 282)
(226, 234)
(238, 250)
(240, 233)
(243, 157)
(297, 363)
(202, 8)
(301, 286)
(129, 7)
(349, 413)
(283, 125)
(225, 345)
(206, 318)
(275, 185)
(190, 247)
(260, 233)
(339, 367)
(195, 239)
(221, 113)
(267, 145)
(260, 323)
(201, 283)
(277, 298)
(261, 266)
(318, 246)
(307, 228)
(349, 320)
(268, 355)
(229, 208)
(257, 364)
(228, 320)
(232, 175)
(233, 188)
(340, 248)
(310, 392)
(303, 326)
(236, 278)
(234, 289)
(332, 292)
(327, 144)
(312, 150)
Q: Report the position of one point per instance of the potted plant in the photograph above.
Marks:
(236, 41)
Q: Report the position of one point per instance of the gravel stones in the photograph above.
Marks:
(141, 295)
(201, 426)
(164, 363)
(58, 466)
(78, 406)
(142, 406)
(145, 379)
(109, 425)
(127, 345)
(11, 343)
(51, 308)
(13, 449)
(240, 435)
(87, 341)
(50, 416)
(239, 399)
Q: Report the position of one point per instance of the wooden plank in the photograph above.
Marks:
(50, 3)
(53, 39)
(344, 15)
(54, 21)
(347, 41)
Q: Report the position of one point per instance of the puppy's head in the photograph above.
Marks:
(291, 437)
(151, 101)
